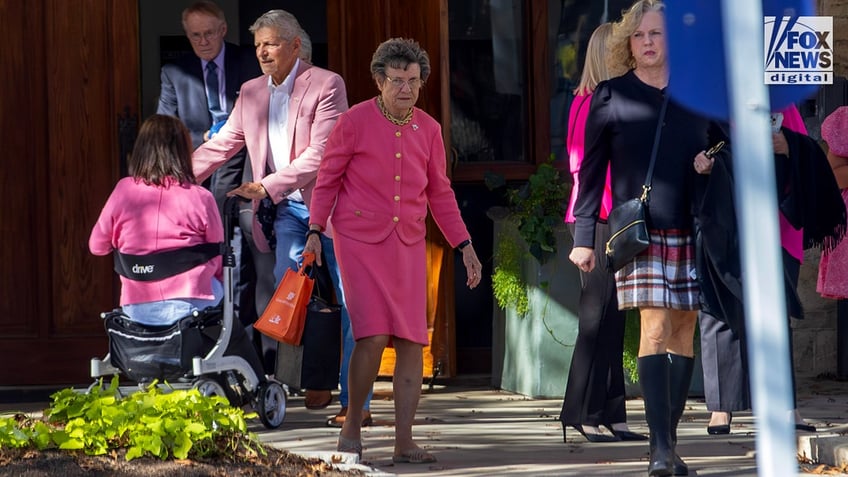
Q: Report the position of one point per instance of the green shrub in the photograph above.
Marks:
(173, 424)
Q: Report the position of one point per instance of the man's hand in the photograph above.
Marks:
(249, 190)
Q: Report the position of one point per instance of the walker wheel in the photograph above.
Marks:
(210, 387)
(271, 404)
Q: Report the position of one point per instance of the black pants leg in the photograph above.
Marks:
(594, 393)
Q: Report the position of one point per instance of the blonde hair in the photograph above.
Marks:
(595, 65)
(620, 58)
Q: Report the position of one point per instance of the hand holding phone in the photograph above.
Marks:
(776, 122)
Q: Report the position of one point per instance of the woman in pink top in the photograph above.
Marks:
(833, 268)
(383, 167)
(160, 208)
(594, 393)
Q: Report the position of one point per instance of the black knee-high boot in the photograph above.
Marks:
(680, 376)
(654, 376)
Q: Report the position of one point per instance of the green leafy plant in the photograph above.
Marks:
(536, 208)
(507, 284)
(631, 345)
(166, 424)
(539, 206)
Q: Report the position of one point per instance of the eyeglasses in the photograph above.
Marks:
(413, 83)
(197, 37)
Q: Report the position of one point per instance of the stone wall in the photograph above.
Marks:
(814, 337)
(838, 9)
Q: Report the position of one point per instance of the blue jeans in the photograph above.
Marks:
(167, 312)
(290, 227)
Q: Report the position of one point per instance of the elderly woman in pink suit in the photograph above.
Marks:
(383, 166)
(283, 118)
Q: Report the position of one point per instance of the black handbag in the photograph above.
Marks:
(627, 222)
(315, 363)
(630, 236)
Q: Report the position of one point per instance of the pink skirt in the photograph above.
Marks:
(385, 287)
(833, 268)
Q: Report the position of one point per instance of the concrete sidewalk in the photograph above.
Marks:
(474, 430)
(478, 431)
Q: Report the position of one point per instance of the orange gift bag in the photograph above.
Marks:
(285, 315)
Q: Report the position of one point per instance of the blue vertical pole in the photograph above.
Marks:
(762, 268)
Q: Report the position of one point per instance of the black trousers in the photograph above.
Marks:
(594, 393)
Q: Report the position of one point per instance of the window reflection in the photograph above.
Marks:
(488, 91)
(577, 19)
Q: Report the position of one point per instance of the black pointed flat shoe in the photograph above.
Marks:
(629, 435)
(719, 429)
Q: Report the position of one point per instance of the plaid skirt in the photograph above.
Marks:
(663, 276)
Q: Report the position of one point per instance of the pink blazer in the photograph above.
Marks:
(318, 98)
(378, 178)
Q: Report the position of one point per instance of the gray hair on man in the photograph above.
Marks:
(283, 22)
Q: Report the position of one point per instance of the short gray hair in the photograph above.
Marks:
(283, 22)
(399, 53)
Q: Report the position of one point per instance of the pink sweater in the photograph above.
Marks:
(574, 145)
(139, 219)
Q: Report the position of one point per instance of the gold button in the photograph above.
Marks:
(395, 219)
(397, 155)
(397, 133)
(397, 198)
(357, 213)
(397, 178)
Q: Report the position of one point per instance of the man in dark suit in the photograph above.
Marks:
(201, 89)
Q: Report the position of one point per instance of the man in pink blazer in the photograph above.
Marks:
(283, 118)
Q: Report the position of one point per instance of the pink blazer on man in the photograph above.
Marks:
(318, 98)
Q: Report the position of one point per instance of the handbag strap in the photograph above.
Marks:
(647, 186)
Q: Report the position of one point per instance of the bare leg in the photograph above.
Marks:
(667, 331)
(364, 366)
(407, 390)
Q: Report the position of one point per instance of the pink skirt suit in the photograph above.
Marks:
(377, 180)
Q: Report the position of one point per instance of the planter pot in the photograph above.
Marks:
(532, 353)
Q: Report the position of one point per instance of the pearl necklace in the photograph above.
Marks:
(398, 122)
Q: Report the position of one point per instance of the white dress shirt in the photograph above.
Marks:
(278, 124)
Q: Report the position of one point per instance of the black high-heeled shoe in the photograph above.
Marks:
(721, 428)
(629, 435)
(589, 436)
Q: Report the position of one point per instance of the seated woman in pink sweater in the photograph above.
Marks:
(160, 208)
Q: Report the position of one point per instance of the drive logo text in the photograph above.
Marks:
(798, 50)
